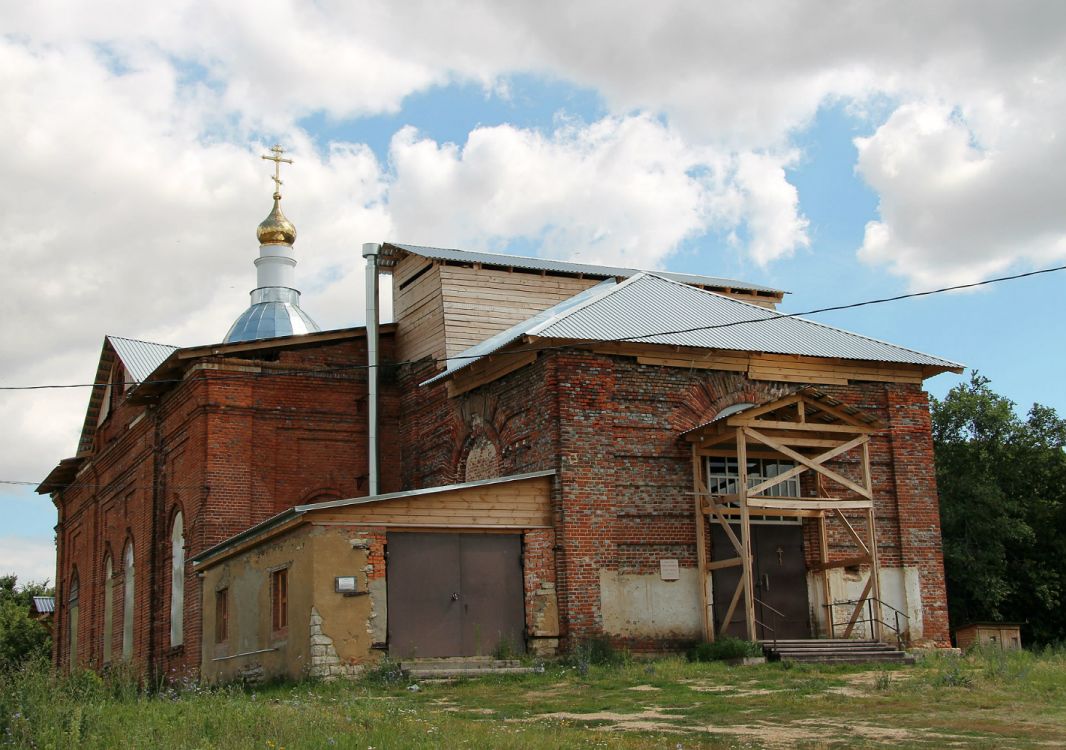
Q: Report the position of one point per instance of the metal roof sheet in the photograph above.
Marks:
(546, 264)
(140, 358)
(44, 604)
(648, 308)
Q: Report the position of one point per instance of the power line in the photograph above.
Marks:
(521, 350)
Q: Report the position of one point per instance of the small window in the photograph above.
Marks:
(221, 615)
(279, 599)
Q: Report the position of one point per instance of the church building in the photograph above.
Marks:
(534, 453)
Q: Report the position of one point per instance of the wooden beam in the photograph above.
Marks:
(858, 607)
(729, 532)
(875, 572)
(828, 504)
(706, 620)
(747, 415)
(732, 606)
(719, 564)
(844, 562)
(851, 531)
(812, 427)
(823, 556)
(814, 464)
(745, 532)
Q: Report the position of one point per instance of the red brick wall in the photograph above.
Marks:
(610, 427)
(229, 447)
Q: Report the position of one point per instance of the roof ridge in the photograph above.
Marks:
(796, 316)
(564, 314)
(139, 341)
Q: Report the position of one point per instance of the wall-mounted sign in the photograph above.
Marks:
(669, 570)
(345, 585)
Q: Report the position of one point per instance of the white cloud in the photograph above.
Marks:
(623, 190)
(965, 195)
(131, 132)
(32, 559)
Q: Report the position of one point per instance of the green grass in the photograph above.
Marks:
(986, 699)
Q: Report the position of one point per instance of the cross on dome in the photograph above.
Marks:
(277, 150)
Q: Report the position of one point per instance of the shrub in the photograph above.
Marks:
(385, 673)
(724, 648)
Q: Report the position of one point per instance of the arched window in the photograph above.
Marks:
(127, 601)
(72, 621)
(177, 581)
(109, 606)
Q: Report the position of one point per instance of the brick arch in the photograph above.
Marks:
(320, 495)
(704, 399)
(481, 459)
(475, 427)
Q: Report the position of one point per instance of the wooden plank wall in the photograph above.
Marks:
(481, 302)
(521, 504)
(418, 309)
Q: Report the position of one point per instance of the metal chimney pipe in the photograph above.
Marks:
(370, 252)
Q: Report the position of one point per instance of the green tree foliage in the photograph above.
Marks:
(1002, 482)
(21, 637)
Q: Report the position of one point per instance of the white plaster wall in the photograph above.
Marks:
(900, 588)
(644, 605)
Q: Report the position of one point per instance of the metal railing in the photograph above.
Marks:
(869, 602)
(774, 614)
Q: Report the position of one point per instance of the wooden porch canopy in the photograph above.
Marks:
(810, 429)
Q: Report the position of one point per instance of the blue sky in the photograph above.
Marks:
(845, 158)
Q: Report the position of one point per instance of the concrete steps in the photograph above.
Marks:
(835, 651)
(461, 666)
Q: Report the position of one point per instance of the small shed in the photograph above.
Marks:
(1006, 635)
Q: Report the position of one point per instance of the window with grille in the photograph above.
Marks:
(279, 600)
(723, 474)
(221, 615)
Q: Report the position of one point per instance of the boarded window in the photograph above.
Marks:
(128, 587)
(109, 605)
(221, 615)
(72, 622)
(279, 599)
(177, 582)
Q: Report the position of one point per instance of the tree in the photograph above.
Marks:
(21, 636)
(1002, 484)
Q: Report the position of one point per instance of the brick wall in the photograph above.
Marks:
(233, 444)
(610, 427)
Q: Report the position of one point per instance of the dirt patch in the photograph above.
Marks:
(554, 689)
(651, 719)
(727, 691)
(863, 684)
(644, 688)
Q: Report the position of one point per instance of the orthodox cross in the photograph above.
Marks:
(276, 158)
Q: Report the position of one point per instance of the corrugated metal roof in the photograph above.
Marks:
(545, 264)
(140, 358)
(647, 308)
(42, 605)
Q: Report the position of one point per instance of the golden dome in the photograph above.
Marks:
(275, 229)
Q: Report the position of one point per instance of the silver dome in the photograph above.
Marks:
(275, 311)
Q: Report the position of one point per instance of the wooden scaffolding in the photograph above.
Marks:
(809, 429)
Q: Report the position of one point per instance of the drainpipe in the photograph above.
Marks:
(370, 252)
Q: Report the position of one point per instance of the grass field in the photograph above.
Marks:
(991, 700)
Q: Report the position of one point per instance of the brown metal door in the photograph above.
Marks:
(454, 594)
(493, 610)
(424, 613)
(781, 581)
